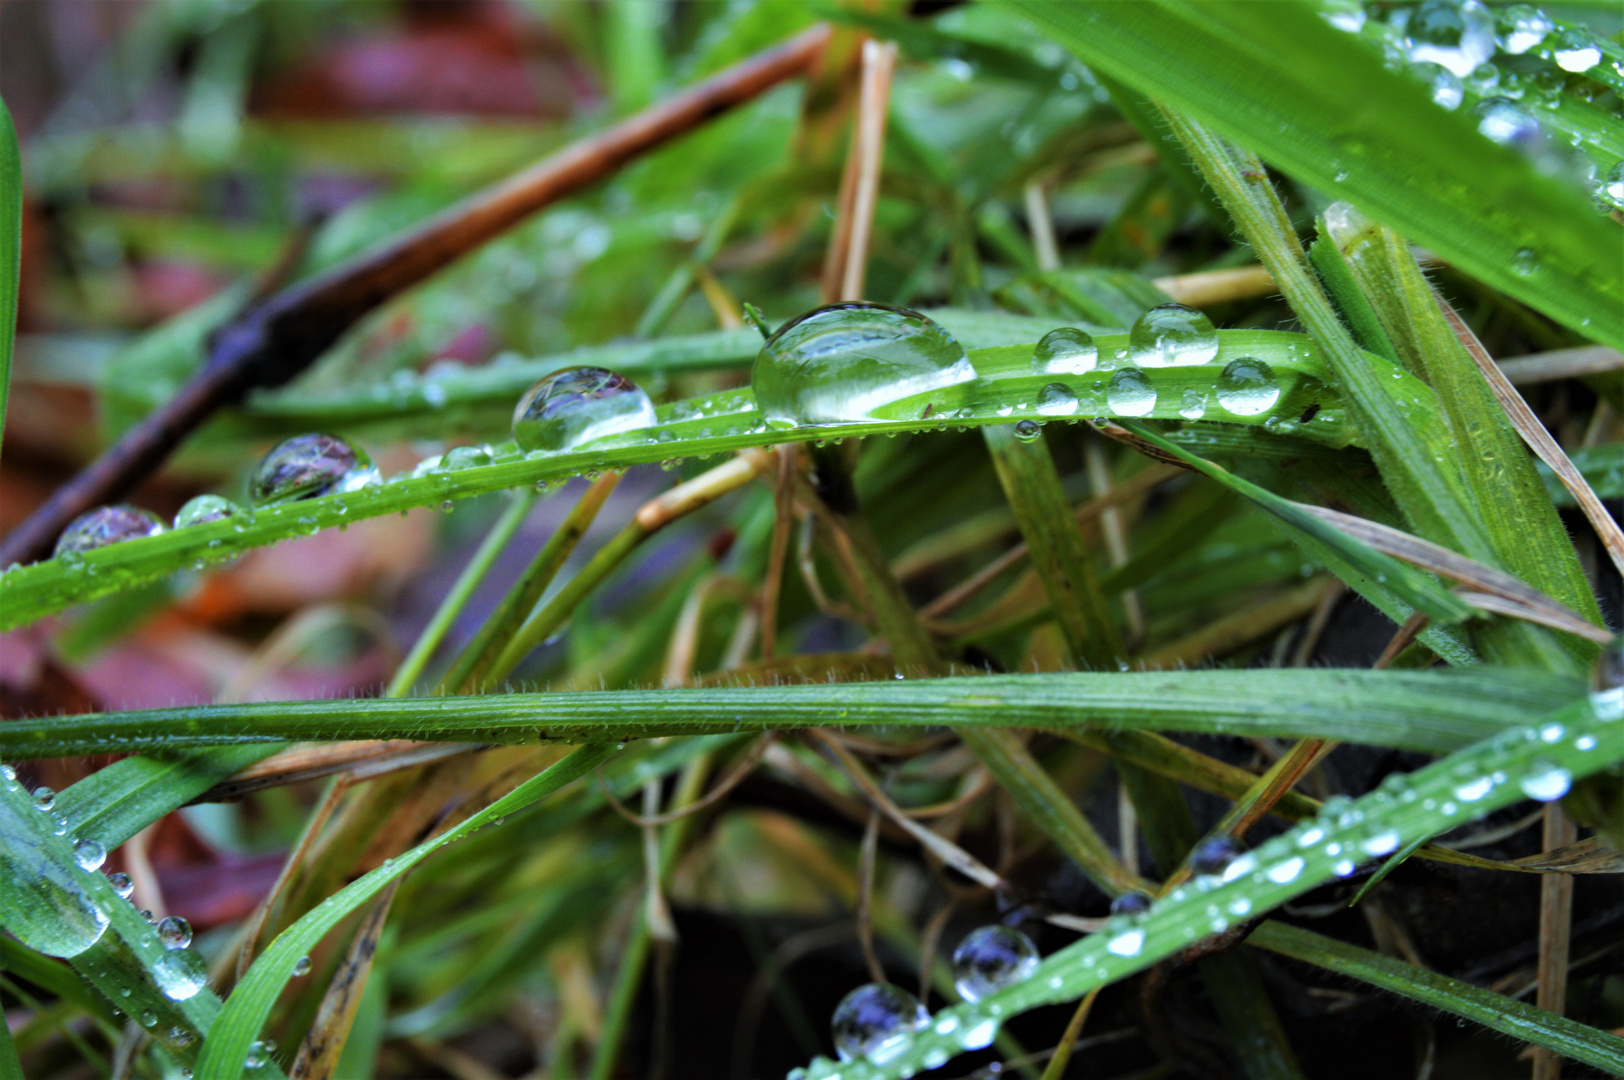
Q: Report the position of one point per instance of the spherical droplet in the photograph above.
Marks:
(1028, 430)
(1546, 782)
(990, 958)
(1065, 351)
(465, 457)
(1131, 393)
(1447, 90)
(175, 932)
(301, 966)
(1211, 856)
(1192, 404)
(1131, 903)
(44, 798)
(107, 525)
(122, 884)
(576, 406)
(1457, 35)
(180, 1036)
(1525, 262)
(89, 854)
(876, 1018)
(1523, 26)
(1057, 400)
(180, 973)
(1172, 334)
(1612, 189)
(1509, 125)
(204, 509)
(148, 1018)
(306, 466)
(853, 362)
(1247, 387)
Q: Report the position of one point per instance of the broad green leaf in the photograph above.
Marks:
(1279, 78)
(1578, 739)
(1433, 711)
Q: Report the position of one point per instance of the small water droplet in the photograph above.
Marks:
(1546, 782)
(1247, 387)
(1447, 91)
(852, 362)
(301, 966)
(1382, 843)
(204, 509)
(990, 958)
(1057, 400)
(122, 884)
(1286, 872)
(307, 466)
(1065, 351)
(1193, 405)
(1522, 27)
(1170, 335)
(1131, 903)
(1126, 943)
(876, 1018)
(106, 525)
(44, 798)
(1457, 35)
(979, 1032)
(1525, 262)
(89, 854)
(175, 932)
(148, 1018)
(1475, 790)
(1028, 430)
(180, 1036)
(1213, 855)
(1131, 393)
(1509, 125)
(180, 973)
(1574, 51)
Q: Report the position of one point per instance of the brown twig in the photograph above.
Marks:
(1555, 933)
(273, 341)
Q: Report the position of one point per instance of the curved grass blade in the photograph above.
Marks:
(1432, 711)
(695, 428)
(1498, 1012)
(238, 1025)
(1278, 78)
(1580, 739)
(113, 804)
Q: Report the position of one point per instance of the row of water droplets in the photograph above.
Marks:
(72, 919)
(877, 1023)
(1517, 64)
(841, 364)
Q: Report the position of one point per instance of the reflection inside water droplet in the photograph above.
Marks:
(307, 466)
(1131, 393)
(1247, 387)
(576, 406)
(1066, 351)
(1170, 335)
(204, 509)
(107, 525)
(876, 1018)
(992, 957)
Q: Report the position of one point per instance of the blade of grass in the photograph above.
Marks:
(1432, 711)
(1494, 1011)
(114, 803)
(1431, 800)
(239, 1023)
(1278, 78)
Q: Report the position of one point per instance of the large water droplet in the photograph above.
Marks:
(204, 509)
(990, 958)
(1546, 782)
(306, 466)
(1213, 855)
(180, 973)
(849, 362)
(89, 854)
(1509, 125)
(107, 525)
(1456, 35)
(1057, 400)
(576, 406)
(1247, 387)
(876, 1018)
(1131, 393)
(1066, 351)
(1172, 334)
(175, 932)
(1523, 26)
(1574, 51)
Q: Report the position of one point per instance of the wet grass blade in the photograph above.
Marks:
(1445, 794)
(239, 1023)
(1497, 1012)
(1278, 77)
(114, 803)
(1432, 711)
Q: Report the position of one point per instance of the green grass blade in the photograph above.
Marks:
(1278, 78)
(1445, 794)
(695, 428)
(1432, 711)
(113, 804)
(10, 1067)
(1498, 1012)
(11, 244)
(239, 1023)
